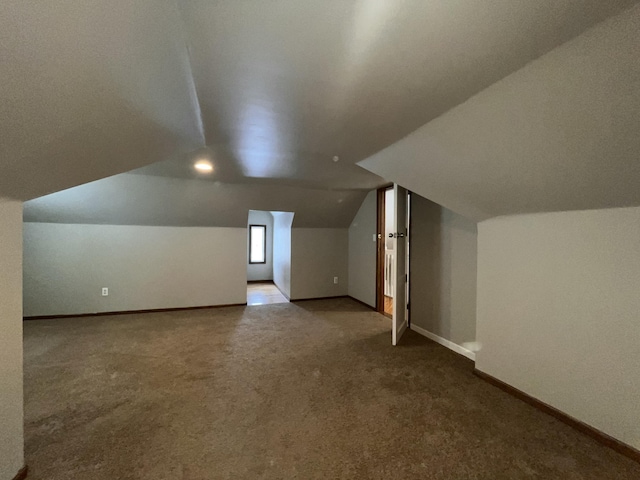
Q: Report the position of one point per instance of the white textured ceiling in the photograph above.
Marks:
(560, 134)
(270, 91)
(150, 200)
(286, 85)
(91, 88)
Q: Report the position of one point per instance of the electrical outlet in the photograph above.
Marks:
(335, 280)
(105, 292)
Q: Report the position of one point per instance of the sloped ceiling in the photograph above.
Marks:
(89, 89)
(269, 91)
(559, 134)
(149, 200)
(286, 85)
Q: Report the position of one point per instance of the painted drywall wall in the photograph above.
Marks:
(317, 256)
(443, 266)
(65, 267)
(362, 252)
(261, 271)
(11, 403)
(282, 251)
(558, 311)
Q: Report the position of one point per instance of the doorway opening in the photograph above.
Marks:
(392, 273)
(389, 276)
(261, 258)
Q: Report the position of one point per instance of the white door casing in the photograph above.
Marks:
(400, 241)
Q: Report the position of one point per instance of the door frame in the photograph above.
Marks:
(409, 247)
(380, 242)
(401, 264)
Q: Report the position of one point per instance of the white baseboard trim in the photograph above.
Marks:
(444, 342)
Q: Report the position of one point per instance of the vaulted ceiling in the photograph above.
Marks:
(90, 89)
(269, 91)
(127, 199)
(559, 134)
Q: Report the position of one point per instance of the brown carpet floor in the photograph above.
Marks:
(308, 390)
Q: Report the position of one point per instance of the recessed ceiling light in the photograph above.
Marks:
(203, 166)
(336, 158)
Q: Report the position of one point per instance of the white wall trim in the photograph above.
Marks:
(444, 342)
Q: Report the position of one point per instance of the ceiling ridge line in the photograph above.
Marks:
(194, 86)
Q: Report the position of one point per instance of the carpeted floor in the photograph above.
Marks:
(308, 391)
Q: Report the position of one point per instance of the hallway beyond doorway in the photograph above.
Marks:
(388, 306)
(264, 293)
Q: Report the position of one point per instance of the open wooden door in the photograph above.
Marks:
(400, 316)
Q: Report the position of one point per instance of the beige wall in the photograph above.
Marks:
(443, 272)
(65, 267)
(282, 251)
(11, 403)
(318, 255)
(558, 303)
(261, 271)
(362, 252)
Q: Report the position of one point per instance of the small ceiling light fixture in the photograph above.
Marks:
(203, 166)
(336, 158)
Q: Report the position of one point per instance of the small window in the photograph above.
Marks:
(257, 244)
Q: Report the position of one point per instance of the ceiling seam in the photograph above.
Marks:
(194, 86)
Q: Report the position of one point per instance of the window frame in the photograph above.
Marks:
(264, 244)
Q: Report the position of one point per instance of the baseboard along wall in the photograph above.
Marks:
(444, 342)
(130, 312)
(603, 438)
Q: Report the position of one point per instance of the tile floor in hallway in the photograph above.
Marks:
(264, 293)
